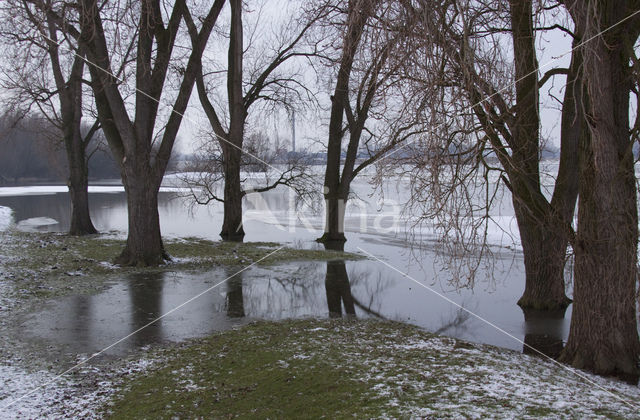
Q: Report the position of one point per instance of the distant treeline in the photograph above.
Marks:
(31, 150)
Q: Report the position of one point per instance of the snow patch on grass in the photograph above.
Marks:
(6, 218)
(40, 394)
(480, 381)
(82, 394)
(406, 373)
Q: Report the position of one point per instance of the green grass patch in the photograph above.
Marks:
(263, 370)
(350, 368)
(242, 253)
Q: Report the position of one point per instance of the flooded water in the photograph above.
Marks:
(86, 324)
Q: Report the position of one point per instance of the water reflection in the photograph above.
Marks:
(235, 299)
(145, 290)
(87, 324)
(81, 309)
(457, 323)
(544, 331)
(338, 290)
(364, 288)
(334, 288)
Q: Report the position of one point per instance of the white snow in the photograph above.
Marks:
(38, 221)
(53, 189)
(508, 378)
(6, 218)
(42, 394)
(108, 265)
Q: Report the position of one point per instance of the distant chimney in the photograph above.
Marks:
(293, 130)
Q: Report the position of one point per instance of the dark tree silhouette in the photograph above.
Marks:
(484, 126)
(140, 151)
(37, 35)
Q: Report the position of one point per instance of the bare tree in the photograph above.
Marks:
(481, 128)
(266, 81)
(370, 51)
(604, 335)
(42, 76)
(544, 226)
(138, 145)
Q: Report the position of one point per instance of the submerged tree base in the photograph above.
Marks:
(549, 304)
(544, 332)
(232, 236)
(332, 242)
(83, 232)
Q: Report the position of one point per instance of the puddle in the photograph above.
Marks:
(88, 324)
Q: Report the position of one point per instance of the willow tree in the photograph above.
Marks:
(545, 226)
(140, 143)
(487, 121)
(603, 336)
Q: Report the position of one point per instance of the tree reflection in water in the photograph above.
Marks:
(338, 290)
(543, 332)
(81, 310)
(145, 290)
(234, 303)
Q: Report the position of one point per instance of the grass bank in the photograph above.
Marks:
(361, 369)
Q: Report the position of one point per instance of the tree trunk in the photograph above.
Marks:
(78, 187)
(232, 229)
(70, 97)
(603, 337)
(544, 259)
(543, 248)
(333, 237)
(336, 190)
(81, 223)
(144, 245)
